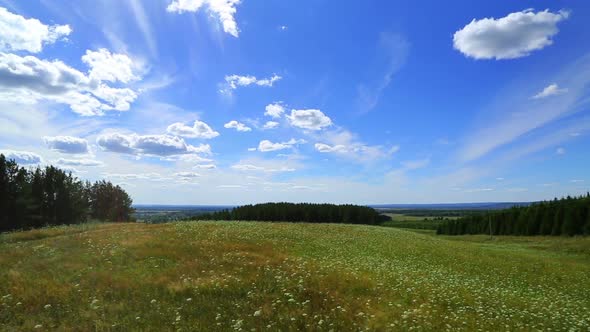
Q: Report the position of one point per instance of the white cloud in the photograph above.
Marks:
(247, 167)
(560, 151)
(29, 80)
(105, 66)
(224, 10)
(268, 146)
(22, 34)
(80, 162)
(148, 145)
(193, 158)
(205, 166)
(187, 175)
(325, 148)
(509, 37)
(144, 25)
(67, 144)
(230, 186)
(232, 82)
(22, 157)
(199, 130)
(270, 125)
(237, 126)
(498, 126)
(135, 176)
(310, 119)
(274, 110)
(256, 168)
(393, 51)
(347, 145)
(550, 90)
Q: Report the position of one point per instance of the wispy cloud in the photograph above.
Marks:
(144, 25)
(532, 114)
(393, 49)
(550, 90)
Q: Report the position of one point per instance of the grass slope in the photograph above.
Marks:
(223, 276)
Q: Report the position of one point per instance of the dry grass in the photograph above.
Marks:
(289, 277)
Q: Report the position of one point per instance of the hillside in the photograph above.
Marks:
(278, 276)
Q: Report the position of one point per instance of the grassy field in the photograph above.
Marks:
(211, 276)
(400, 220)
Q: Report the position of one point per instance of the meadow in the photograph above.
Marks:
(409, 221)
(249, 276)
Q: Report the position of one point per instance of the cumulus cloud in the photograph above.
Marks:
(105, 66)
(550, 90)
(80, 162)
(509, 37)
(275, 110)
(270, 125)
(22, 157)
(22, 34)
(237, 126)
(232, 82)
(30, 79)
(67, 144)
(199, 130)
(148, 145)
(223, 10)
(310, 119)
(268, 146)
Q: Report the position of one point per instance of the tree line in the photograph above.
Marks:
(302, 212)
(567, 216)
(31, 198)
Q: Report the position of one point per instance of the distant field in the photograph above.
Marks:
(218, 276)
(400, 220)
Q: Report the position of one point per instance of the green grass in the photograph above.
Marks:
(399, 220)
(219, 276)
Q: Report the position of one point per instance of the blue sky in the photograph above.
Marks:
(231, 102)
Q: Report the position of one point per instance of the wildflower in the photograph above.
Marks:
(257, 313)
(38, 326)
(189, 299)
(153, 301)
(47, 306)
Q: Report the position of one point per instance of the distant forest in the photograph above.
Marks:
(303, 212)
(50, 196)
(567, 216)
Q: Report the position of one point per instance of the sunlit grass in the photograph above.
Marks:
(222, 276)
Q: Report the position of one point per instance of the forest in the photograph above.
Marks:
(31, 198)
(567, 216)
(302, 212)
